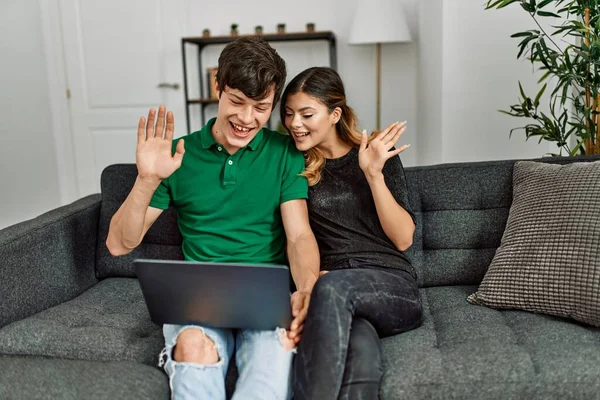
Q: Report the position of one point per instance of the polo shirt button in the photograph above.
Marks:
(219, 148)
(230, 162)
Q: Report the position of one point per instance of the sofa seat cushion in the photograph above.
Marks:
(108, 322)
(469, 351)
(28, 378)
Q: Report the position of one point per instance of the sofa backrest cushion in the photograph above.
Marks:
(461, 211)
(163, 240)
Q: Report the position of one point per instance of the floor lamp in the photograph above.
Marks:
(377, 22)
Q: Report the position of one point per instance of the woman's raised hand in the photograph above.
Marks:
(373, 155)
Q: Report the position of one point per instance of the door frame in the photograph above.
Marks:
(58, 87)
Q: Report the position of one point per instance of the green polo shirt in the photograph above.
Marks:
(228, 205)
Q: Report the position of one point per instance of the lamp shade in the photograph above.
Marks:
(379, 21)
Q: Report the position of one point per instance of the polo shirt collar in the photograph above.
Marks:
(255, 143)
(207, 140)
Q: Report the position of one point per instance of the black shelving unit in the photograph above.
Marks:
(202, 42)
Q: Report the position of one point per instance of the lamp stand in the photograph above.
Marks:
(378, 86)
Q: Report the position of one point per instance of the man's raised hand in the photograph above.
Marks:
(154, 157)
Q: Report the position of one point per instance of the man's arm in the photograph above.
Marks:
(303, 255)
(302, 249)
(133, 219)
(154, 162)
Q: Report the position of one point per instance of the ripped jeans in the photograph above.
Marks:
(264, 366)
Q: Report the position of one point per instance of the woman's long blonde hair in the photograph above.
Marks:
(325, 85)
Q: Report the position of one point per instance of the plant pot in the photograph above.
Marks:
(281, 29)
(310, 27)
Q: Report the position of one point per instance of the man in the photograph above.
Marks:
(240, 198)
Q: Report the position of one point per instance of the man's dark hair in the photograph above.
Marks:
(251, 65)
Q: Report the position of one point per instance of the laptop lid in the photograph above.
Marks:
(222, 295)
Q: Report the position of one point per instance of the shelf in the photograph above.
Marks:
(269, 37)
(200, 42)
(202, 101)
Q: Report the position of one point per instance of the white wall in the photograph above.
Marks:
(430, 68)
(28, 172)
(480, 75)
(356, 64)
(448, 84)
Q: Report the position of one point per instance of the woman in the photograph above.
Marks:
(358, 208)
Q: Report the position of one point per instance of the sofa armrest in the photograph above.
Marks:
(48, 260)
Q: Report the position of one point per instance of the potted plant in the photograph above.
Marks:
(234, 29)
(258, 29)
(206, 32)
(310, 27)
(281, 29)
(572, 69)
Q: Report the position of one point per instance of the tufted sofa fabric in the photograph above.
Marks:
(70, 310)
(30, 378)
(461, 211)
(106, 323)
(463, 351)
(162, 241)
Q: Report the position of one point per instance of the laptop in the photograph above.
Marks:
(220, 295)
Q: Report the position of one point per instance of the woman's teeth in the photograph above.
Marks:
(302, 134)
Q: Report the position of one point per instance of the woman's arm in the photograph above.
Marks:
(397, 223)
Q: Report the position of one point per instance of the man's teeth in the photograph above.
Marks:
(240, 128)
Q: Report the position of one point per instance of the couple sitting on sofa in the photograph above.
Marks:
(240, 192)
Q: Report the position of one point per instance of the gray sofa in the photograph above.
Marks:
(73, 323)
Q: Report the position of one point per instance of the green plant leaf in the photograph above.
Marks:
(527, 7)
(567, 69)
(577, 148)
(522, 91)
(544, 77)
(536, 102)
(492, 4)
(547, 14)
(521, 34)
(505, 3)
(544, 3)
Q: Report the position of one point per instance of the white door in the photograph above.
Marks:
(121, 57)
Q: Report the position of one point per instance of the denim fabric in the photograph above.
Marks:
(364, 368)
(264, 365)
(387, 298)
